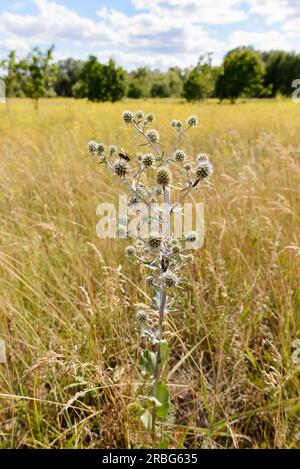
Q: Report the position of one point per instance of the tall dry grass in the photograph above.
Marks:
(66, 297)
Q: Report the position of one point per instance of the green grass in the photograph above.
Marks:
(66, 305)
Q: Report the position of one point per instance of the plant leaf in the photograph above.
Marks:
(162, 395)
(148, 362)
(164, 351)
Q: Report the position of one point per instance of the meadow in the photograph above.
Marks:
(66, 297)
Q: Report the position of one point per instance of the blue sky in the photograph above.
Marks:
(156, 33)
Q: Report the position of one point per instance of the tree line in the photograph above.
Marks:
(244, 72)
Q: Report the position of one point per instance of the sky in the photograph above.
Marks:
(154, 33)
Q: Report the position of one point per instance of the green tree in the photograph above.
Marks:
(160, 89)
(12, 76)
(281, 69)
(68, 73)
(200, 82)
(243, 75)
(38, 74)
(135, 90)
(99, 82)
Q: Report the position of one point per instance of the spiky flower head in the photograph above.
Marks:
(101, 149)
(192, 121)
(154, 240)
(176, 249)
(191, 236)
(130, 251)
(93, 146)
(179, 156)
(151, 280)
(202, 157)
(187, 167)
(121, 168)
(149, 117)
(113, 149)
(142, 317)
(169, 279)
(152, 135)
(148, 160)
(204, 170)
(139, 115)
(128, 117)
(163, 177)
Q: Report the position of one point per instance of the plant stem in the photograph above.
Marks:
(163, 302)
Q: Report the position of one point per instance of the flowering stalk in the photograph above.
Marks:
(148, 178)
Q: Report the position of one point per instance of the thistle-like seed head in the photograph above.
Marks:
(179, 156)
(204, 170)
(176, 249)
(113, 149)
(152, 135)
(142, 317)
(192, 120)
(169, 279)
(139, 115)
(149, 117)
(130, 251)
(93, 146)
(163, 177)
(191, 236)
(128, 117)
(148, 160)
(177, 125)
(121, 168)
(150, 281)
(154, 240)
(202, 157)
(100, 149)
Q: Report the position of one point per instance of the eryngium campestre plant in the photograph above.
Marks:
(149, 180)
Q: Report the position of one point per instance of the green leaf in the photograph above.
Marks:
(164, 351)
(148, 362)
(162, 395)
(146, 419)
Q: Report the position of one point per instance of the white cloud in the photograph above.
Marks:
(275, 11)
(262, 41)
(200, 11)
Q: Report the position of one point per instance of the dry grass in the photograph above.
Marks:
(66, 304)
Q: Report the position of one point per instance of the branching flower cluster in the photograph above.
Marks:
(149, 177)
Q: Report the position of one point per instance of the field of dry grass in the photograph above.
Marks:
(66, 297)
